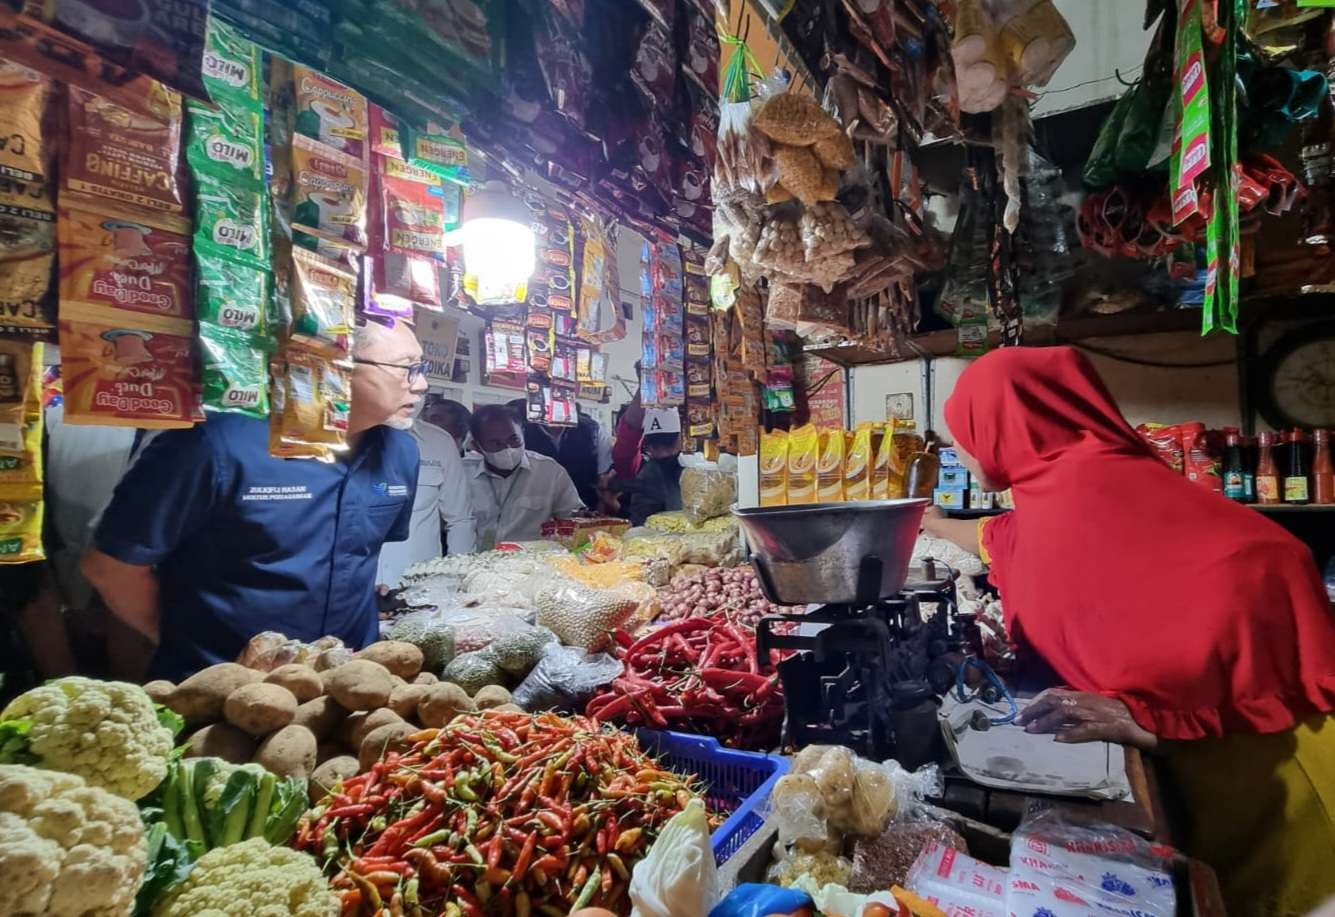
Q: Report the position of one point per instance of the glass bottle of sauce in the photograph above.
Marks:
(1296, 483)
(1235, 479)
(1323, 471)
(1267, 472)
(1249, 469)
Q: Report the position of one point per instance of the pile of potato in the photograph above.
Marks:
(322, 725)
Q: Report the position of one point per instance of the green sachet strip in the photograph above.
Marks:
(232, 295)
(235, 375)
(231, 68)
(232, 220)
(227, 144)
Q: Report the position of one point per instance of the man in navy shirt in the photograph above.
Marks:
(209, 540)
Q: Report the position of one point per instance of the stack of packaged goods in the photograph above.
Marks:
(126, 307)
(319, 144)
(875, 461)
(20, 451)
(663, 345)
(233, 257)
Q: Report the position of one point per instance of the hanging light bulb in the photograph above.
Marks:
(498, 243)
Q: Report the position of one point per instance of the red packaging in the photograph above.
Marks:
(1166, 441)
(1200, 462)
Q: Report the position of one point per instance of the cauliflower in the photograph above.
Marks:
(221, 773)
(251, 878)
(66, 848)
(107, 732)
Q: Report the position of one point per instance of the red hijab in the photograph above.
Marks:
(1203, 616)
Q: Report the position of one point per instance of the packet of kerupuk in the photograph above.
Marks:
(232, 295)
(235, 379)
(228, 144)
(230, 68)
(232, 220)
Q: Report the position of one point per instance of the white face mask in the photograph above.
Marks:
(506, 459)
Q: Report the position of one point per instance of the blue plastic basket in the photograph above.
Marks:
(739, 782)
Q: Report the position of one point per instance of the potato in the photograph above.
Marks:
(302, 680)
(491, 696)
(200, 697)
(332, 658)
(442, 703)
(221, 740)
(369, 724)
(160, 691)
(425, 678)
(403, 659)
(329, 773)
(359, 685)
(321, 715)
(326, 750)
(260, 709)
(404, 699)
(507, 708)
(390, 737)
(289, 752)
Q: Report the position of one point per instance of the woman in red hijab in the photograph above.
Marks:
(1178, 620)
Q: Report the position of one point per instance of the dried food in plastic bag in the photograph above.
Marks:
(794, 118)
(780, 247)
(745, 155)
(784, 305)
(708, 489)
(885, 860)
(828, 230)
(429, 632)
(23, 98)
(583, 616)
(820, 867)
(798, 808)
(835, 152)
(799, 172)
(564, 678)
(474, 671)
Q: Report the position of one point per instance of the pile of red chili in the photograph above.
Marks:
(698, 675)
(497, 813)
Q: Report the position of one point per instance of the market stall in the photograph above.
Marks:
(786, 701)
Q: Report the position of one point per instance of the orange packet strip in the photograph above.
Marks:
(127, 370)
(113, 256)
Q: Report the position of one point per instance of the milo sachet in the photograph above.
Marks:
(232, 295)
(234, 372)
(228, 144)
(231, 68)
(232, 219)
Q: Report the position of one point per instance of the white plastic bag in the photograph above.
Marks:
(678, 877)
(708, 489)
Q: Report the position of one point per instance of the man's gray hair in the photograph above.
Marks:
(364, 335)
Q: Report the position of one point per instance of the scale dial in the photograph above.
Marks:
(1298, 380)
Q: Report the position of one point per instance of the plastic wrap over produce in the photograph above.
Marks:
(1061, 867)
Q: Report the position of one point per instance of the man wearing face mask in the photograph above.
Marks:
(514, 491)
(209, 540)
(657, 485)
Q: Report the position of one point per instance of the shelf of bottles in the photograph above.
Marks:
(1285, 471)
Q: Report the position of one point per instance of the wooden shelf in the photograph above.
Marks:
(1293, 508)
(1068, 331)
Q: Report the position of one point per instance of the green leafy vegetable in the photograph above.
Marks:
(169, 862)
(14, 747)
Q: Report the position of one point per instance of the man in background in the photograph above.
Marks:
(450, 416)
(584, 450)
(657, 485)
(514, 490)
(210, 540)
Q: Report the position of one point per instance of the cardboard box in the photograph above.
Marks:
(956, 498)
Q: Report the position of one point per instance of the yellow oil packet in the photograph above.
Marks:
(803, 455)
(774, 468)
(857, 464)
(21, 523)
(830, 467)
(880, 466)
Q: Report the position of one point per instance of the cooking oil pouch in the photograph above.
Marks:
(230, 68)
(234, 373)
(232, 220)
(329, 112)
(803, 456)
(882, 469)
(21, 523)
(328, 193)
(830, 467)
(129, 156)
(114, 256)
(857, 465)
(125, 369)
(27, 219)
(23, 98)
(225, 143)
(232, 296)
(323, 299)
(773, 469)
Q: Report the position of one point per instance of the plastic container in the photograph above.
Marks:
(738, 782)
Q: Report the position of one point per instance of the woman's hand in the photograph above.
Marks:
(1074, 716)
(931, 519)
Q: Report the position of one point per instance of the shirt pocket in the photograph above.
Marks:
(380, 517)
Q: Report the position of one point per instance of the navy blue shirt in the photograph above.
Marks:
(243, 542)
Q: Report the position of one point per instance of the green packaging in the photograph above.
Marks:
(231, 220)
(232, 295)
(230, 67)
(224, 143)
(235, 372)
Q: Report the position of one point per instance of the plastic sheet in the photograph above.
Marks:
(678, 878)
(564, 678)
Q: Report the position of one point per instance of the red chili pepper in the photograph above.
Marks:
(351, 811)
(525, 856)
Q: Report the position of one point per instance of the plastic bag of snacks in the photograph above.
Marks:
(581, 615)
(268, 650)
(708, 489)
(564, 678)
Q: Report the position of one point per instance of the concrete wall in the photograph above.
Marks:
(1144, 393)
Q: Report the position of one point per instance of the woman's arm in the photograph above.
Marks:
(960, 532)
(1076, 716)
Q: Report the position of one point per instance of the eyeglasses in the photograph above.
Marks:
(414, 370)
